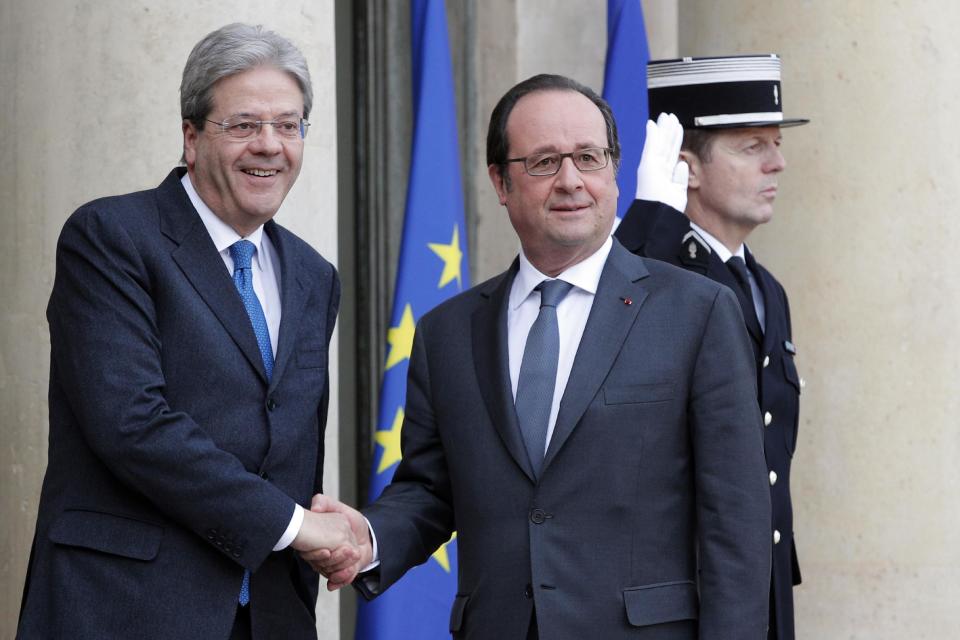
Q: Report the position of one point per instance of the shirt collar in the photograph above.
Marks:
(584, 275)
(220, 232)
(718, 247)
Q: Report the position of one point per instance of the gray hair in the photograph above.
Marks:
(234, 49)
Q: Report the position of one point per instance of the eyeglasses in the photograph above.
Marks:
(547, 164)
(243, 128)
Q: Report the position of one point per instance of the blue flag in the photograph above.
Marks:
(625, 88)
(433, 267)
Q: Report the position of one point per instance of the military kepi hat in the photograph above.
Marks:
(720, 92)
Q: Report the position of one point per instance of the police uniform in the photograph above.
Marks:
(737, 91)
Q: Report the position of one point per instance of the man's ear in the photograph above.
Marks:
(499, 184)
(693, 163)
(190, 135)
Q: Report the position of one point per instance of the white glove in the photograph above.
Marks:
(662, 176)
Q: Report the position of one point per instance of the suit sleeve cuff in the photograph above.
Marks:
(296, 521)
(375, 561)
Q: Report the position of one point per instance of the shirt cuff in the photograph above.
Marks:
(296, 521)
(375, 562)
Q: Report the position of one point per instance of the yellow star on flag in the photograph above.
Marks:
(401, 338)
(440, 555)
(389, 439)
(452, 256)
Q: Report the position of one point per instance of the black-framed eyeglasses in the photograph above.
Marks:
(242, 128)
(547, 164)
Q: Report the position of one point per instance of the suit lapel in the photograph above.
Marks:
(200, 262)
(767, 291)
(293, 297)
(610, 320)
(491, 360)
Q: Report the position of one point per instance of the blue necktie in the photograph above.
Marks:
(241, 252)
(538, 372)
(745, 293)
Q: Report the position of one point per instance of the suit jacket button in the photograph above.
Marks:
(773, 477)
(271, 404)
(766, 361)
(537, 516)
(235, 554)
(263, 474)
(767, 419)
(776, 536)
(528, 592)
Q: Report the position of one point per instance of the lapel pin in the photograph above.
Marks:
(627, 301)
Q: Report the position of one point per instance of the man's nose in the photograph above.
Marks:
(266, 140)
(568, 176)
(775, 161)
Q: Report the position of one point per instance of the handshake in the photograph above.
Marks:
(334, 539)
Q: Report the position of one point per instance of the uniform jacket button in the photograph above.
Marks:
(773, 477)
(537, 516)
(767, 419)
(766, 361)
(776, 536)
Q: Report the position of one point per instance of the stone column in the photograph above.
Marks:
(90, 107)
(864, 241)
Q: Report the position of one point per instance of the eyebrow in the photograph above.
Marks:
(247, 114)
(552, 148)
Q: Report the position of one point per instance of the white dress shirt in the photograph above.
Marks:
(725, 254)
(266, 284)
(572, 312)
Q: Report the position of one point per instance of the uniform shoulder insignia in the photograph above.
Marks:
(694, 250)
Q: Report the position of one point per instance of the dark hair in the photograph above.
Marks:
(497, 144)
(699, 142)
(234, 49)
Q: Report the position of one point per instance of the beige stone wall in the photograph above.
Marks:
(864, 240)
(90, 107)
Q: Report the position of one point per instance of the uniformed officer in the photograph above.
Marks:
(730, 111)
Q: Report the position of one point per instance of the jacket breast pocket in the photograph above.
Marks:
(660, 603)
(107, 533)
(312, 358)
(639, 393)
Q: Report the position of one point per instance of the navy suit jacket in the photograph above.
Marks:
(173, 464)
(657, 231)
(650, 515)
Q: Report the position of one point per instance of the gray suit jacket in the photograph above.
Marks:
(650, 517)
(173, 464)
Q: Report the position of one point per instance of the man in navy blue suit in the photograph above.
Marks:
(189, 381)
(586, 421)
(698, 214)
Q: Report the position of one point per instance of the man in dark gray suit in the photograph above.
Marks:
(585, 420)
(189, 384)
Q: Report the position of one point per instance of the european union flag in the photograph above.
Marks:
(625, 88)
(432, 268)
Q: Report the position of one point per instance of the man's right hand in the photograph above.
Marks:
(327, 538)
(339, 570)
(661, 175)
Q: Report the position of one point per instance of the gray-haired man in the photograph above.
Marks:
(188, 382)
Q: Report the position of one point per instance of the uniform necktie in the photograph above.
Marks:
(739, 269)
(241, 252)
(538, 372)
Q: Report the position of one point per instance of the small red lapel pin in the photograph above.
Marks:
(627, 301)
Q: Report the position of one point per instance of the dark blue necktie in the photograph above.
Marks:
(538, 372)
(241, 252)
(745, 293)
